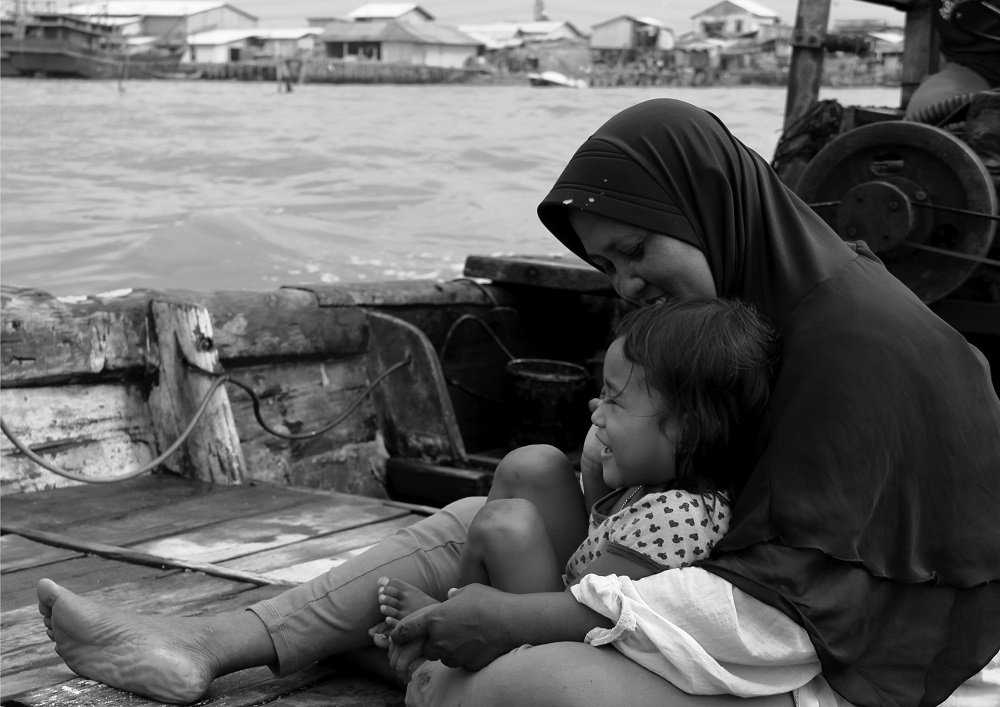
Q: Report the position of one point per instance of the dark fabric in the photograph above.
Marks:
(871, 514)
(979, 53)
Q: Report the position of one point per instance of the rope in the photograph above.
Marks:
(220, 379)
(72, 475)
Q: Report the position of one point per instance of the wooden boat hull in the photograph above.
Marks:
(62, 59)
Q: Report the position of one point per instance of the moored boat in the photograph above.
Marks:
(385, 399)
(555, 79)
(72, 46)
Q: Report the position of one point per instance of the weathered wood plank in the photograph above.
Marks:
(302, 561)
(210, 450)
(134, 556)
(414, 405)
(404, 293)
(58, 508)
(282, 323)
(45, 339)
(539, 271)
(258, 687)
(236, 538)
(81, 574)
(218, 505)
(19, 553)
(91, 430)
(304, 397)
(342, 689)
(26, 647)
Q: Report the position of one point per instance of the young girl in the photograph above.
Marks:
(682, 380)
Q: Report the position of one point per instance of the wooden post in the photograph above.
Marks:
(806, 68)
(182, 333)
(921, 47)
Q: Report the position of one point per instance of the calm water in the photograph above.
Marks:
(217, 185)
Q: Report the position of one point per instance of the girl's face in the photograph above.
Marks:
(643, 266)
(637, 449)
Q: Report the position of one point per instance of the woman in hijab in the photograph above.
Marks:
(862, 563)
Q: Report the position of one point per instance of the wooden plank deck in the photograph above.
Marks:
(161, 544)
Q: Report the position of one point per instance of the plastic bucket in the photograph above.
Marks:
(547, 402)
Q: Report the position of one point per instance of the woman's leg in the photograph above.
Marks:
(175, 659)
(561, 675)
(543, 475)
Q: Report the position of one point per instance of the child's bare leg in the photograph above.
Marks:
(167, 659)
(543, 475)
(509, 549)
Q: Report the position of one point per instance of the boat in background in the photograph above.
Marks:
(262, 437)
(555, 78)
(73, 46)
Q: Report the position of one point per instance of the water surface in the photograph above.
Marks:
(231, 185)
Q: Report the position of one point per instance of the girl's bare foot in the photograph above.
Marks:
(159, 658)
(398, 599)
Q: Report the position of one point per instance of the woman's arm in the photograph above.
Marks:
(613, 563)
(478, 624)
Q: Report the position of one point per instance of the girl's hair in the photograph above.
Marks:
(712, 361)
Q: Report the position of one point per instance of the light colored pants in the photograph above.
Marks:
(331, 614)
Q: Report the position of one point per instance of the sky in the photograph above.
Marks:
(583, 14)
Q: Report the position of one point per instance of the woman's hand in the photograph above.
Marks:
(466, 631)
(478, 624)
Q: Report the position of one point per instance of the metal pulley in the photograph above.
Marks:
(919, 197)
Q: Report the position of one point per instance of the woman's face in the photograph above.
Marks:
(643, 266)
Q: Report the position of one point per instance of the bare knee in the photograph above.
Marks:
(535, 466)
(506, 523)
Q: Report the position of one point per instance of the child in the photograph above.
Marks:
(681, 381)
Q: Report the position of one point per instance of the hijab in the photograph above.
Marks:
(868, 514)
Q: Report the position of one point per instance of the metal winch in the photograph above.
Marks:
(922, 199)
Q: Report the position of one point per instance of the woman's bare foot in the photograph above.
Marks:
(159, 658)
(398, 599)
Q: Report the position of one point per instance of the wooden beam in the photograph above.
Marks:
(806, 69)
(920, 53)
(182, 337)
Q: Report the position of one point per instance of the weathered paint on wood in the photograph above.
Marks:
(33, 675)
(62, 508)
(19, 553)
(183, 338)
(92, 430)
(304, 560)
(303, 397)
(45, 339)
(414, 405)
(239, 537)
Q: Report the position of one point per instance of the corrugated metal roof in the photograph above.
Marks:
(393, 31)
(156, 8)
(632, 18)
(754, 8)
(507, 34)
(386, 10)
(216, 37)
